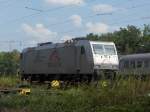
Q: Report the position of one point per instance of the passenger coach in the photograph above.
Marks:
(135, 64)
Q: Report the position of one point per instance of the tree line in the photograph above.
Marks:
(128, 40)
(9, 62)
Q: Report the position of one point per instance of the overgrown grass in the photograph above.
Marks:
(9, 81)
(123, 95)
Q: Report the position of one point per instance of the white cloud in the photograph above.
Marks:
(97, 27)
(103, 8)
(65, 2)
(77, 20)
(39, 33)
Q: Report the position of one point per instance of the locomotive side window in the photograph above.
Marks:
(139, 64)
(82, 50)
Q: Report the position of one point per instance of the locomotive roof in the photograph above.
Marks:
(102, 42)
(137, 56)
(47, 45)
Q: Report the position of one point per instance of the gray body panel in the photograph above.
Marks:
(63, 58)
(136, 64)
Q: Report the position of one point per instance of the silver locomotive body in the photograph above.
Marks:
(78, 59)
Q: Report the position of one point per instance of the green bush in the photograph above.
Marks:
(8, 81)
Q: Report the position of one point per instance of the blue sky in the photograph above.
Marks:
(24, 23)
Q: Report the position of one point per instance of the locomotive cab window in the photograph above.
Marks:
(98, 49)
(110, 49)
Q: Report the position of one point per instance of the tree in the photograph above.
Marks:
(9, 62)
(146, 31)
(92, 37)
(145, 41)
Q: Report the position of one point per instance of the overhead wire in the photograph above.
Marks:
(118, 21)
(98, 14)
(41, 12)
(125, 21)
(69, 20)
(146, 17)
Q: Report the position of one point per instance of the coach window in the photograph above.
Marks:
(132, 64)
(126, 64)
(146, 64)
(139, 64)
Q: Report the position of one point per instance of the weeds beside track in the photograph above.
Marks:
(123, 95)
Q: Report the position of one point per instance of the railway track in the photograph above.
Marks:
(20, 91)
